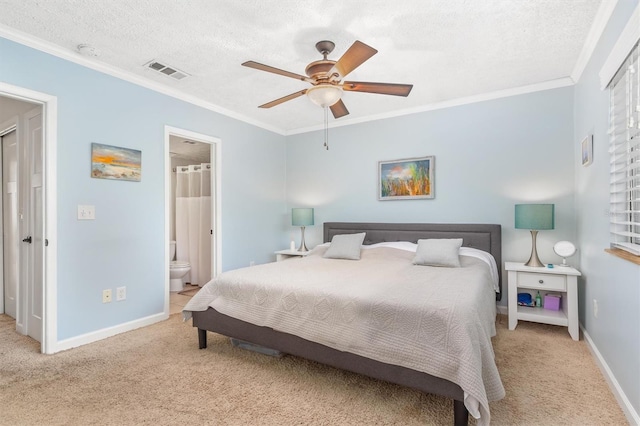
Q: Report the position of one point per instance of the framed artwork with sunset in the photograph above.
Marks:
(113, 162)
(407, 179)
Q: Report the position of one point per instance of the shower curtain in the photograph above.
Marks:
(193, 221)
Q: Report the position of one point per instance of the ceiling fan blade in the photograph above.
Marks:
(381, 88)
(267, 68)
(339, 109)
(283, 99)
(355, 56)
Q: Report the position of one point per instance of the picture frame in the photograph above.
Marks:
(587, 150)
(406, 179)
(114, 162)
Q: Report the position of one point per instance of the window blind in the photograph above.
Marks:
(624, 151)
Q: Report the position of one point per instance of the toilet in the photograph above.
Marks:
(177, 271)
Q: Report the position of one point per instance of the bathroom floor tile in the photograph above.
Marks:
(178, 301)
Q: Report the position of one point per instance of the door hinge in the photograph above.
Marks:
(46, 242)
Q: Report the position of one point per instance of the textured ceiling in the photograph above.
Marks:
(185, 149)
(448, 49)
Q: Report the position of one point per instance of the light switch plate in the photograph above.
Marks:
(86, 212)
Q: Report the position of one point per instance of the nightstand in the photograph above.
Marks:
(562, 280)
(289, 254)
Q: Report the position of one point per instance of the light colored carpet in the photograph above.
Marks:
(158, 376)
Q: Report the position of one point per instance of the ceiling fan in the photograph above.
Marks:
(326, 77)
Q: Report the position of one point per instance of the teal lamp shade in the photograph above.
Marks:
(534, 217)
(302, 217)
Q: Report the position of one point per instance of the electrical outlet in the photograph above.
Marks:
(595, 308)
(106, 296)
(121, 293)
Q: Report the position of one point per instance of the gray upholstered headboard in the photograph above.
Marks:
(481, 236)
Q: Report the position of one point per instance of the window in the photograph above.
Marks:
(624, 150)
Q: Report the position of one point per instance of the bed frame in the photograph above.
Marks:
(480, 236)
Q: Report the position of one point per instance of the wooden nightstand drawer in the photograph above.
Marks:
(542, 281)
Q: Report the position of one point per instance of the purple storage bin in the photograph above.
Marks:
(552, 302)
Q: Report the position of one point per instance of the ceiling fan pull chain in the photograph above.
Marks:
(326, 128)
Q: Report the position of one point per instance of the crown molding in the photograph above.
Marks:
(595, 32)
(628, 38)
(71, 56)
(55, 50)
(547, 85)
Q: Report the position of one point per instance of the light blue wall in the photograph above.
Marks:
(614, 282)
(489, 156)
(124, 246)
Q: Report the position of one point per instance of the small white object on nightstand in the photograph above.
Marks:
(556, 280)
(290, 254)
(564, 249)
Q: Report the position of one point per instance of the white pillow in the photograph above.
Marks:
(438, 252)
(400, 245)
(486, 258)
(346, 246)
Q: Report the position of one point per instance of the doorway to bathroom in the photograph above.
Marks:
(192, 195)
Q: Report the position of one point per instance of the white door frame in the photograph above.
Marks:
(50, 122)
(216, 211)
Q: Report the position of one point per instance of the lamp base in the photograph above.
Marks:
(303, 246)
(534, 261)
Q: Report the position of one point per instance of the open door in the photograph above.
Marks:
(33, 226)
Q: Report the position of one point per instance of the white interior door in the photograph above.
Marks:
(206, 227)
(34, 225)
(10, 236)
(216, 223)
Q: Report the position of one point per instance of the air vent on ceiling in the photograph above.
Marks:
(166, 70)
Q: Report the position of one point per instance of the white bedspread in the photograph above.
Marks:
(436, 320)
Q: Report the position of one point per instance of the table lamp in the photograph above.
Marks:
(302, 217)
(535, 217)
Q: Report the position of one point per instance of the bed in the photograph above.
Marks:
(464, 374)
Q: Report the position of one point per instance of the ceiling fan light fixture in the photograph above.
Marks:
(326, 79)
(324, 95)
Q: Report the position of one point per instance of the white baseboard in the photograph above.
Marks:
(503, 310)
(632, 416)
(94, 336)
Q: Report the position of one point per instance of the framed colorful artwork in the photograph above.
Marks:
(113, 162)
(407, 179)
